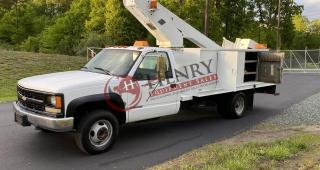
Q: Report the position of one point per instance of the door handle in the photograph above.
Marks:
(173, 86)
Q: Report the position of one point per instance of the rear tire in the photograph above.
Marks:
(97, 132)
(233, 106)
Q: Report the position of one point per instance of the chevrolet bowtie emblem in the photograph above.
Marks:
(24, 98)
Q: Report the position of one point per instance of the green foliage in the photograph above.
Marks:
(2, 11)
(236, 16)
(193, 13)
(121, 27)
(66, 33)
(68, 26)
(93, 39)
(22, 21)
(7, 4)
(307, 34)
(300, 23)
(32, 44)
(96, 21)
(281, 150)
(254, 155)
(315, 26)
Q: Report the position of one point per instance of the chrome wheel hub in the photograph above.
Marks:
(100, 133)
(239, 105)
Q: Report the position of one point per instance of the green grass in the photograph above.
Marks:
(17, 65)
(245, 156)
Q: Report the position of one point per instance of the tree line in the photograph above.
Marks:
(69, 26)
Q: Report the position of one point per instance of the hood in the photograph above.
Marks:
(60, 82)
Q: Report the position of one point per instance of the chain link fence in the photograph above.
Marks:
(306, 61)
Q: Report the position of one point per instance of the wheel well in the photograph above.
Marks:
(85, 109)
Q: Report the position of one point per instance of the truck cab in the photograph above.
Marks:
(117, 80)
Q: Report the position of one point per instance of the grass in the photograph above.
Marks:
(258, 155)
(17, 65)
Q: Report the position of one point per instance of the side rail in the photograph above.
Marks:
(92, 52)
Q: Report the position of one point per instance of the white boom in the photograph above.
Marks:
(169, 30)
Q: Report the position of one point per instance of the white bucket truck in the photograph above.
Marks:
(129, 84)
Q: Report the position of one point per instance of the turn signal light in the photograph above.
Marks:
(141, 44)
(153, 5)
(58, 102)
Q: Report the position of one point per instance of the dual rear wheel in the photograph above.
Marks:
(233, 106)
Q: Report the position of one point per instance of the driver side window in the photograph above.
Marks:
(147, 69)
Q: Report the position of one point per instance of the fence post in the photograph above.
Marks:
(290, 60)
(305, 58)
(87, 53)
(319, 57)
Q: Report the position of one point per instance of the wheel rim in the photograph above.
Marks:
(100, 133)
(239, 105)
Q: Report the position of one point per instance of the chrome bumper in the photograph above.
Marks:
(49, 123)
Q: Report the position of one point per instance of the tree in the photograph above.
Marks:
(96, 21)
(236, 16)
(7, 4)
(2, 11)
(67, 31)
(268, 17)
(18, 25)
(193, 13)
(121, 27)
(315, 26)
(68, 26)
(300, 23)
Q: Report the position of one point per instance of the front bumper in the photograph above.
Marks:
(49, 123)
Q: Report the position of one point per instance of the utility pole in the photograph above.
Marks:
(278, 31)
(17, 17)
(206, 18)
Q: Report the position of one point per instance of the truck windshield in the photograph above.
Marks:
(113, 62)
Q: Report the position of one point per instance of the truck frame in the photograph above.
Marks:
(130, 84)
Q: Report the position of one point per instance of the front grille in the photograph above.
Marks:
(31, 99)
(31, 94)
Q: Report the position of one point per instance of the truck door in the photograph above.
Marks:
(270, 67)
(156, 98)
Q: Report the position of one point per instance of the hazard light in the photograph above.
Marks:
(141, 44)
(261, 46)
(153, 5)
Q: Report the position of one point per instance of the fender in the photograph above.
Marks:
(95, 101)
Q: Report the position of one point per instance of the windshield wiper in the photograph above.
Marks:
(104, 70)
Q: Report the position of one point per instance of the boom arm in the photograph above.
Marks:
(166, 27)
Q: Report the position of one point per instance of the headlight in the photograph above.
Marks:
(53, 104)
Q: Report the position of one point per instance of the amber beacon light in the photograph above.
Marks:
(153, 5)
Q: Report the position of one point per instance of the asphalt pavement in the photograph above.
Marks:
(142, 145)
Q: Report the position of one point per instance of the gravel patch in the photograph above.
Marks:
(306, 112)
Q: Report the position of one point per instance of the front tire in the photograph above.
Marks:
(97, 132)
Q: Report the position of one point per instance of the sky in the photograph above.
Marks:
(311, 8)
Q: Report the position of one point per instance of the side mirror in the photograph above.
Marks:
(161, 68)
